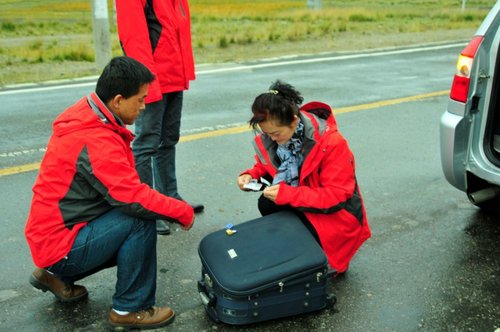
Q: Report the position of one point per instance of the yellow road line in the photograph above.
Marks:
(19, 169)
(389, 102)
(214, 133)
(241, 129)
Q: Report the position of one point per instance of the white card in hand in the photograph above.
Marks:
(253, 185)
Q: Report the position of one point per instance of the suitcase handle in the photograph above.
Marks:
(206, 298)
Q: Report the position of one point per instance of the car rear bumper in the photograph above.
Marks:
(453, 149)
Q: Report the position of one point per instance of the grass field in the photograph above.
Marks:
(52, 39)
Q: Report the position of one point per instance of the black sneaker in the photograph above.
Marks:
(162, 227)
(197, 207)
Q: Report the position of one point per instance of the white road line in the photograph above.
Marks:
(267, 64)
(331, 58)
(22, 153)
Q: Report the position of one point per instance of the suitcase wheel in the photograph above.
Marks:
(330, 300)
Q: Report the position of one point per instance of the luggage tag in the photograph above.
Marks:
(229, 229)
(257, 185)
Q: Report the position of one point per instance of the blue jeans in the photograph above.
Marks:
(157, 132)
(116, 239)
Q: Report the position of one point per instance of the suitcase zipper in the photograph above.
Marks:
(280, 284)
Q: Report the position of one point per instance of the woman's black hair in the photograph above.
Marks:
(280, 104)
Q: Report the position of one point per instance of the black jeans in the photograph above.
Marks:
(157, 132)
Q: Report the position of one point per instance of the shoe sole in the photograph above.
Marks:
(43, 287)
(128, 327)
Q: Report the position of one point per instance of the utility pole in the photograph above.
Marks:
(314, 4)
(463, 5)
(100, 24)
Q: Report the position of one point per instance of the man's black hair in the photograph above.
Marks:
(122, 76)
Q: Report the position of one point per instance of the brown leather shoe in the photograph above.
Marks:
(151, 318)
(46, 281)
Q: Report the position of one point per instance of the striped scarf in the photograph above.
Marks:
(291, 157)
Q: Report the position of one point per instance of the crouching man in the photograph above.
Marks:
(90, 210)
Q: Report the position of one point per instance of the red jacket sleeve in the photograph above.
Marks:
(117, 180)
(256, 171)
(329, 186)
(134, 38)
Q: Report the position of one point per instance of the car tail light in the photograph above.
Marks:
(460, 86)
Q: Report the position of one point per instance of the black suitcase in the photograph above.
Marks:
(262, 269)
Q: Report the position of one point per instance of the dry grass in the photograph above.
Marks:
(51, 39)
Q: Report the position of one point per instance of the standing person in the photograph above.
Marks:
(312, 171)
(157, 33)
(90, 210)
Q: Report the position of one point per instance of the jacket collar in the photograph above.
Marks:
(108, 117)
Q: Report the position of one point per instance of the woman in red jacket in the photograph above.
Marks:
(312, 171)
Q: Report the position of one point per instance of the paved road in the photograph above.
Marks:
(431, 265)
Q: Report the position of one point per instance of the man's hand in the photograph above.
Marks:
(188, 227)
(271, 192)
(243, 180)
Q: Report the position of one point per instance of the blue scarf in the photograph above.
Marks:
(291, 157)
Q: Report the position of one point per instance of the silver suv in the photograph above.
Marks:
(470, 127)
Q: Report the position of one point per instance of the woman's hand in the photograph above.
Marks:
(271, 192)
(243, 180)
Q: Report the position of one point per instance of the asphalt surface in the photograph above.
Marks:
(432, 263)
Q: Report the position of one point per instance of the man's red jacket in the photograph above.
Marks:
(157, 33)
(88, 169)
(328, 192)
